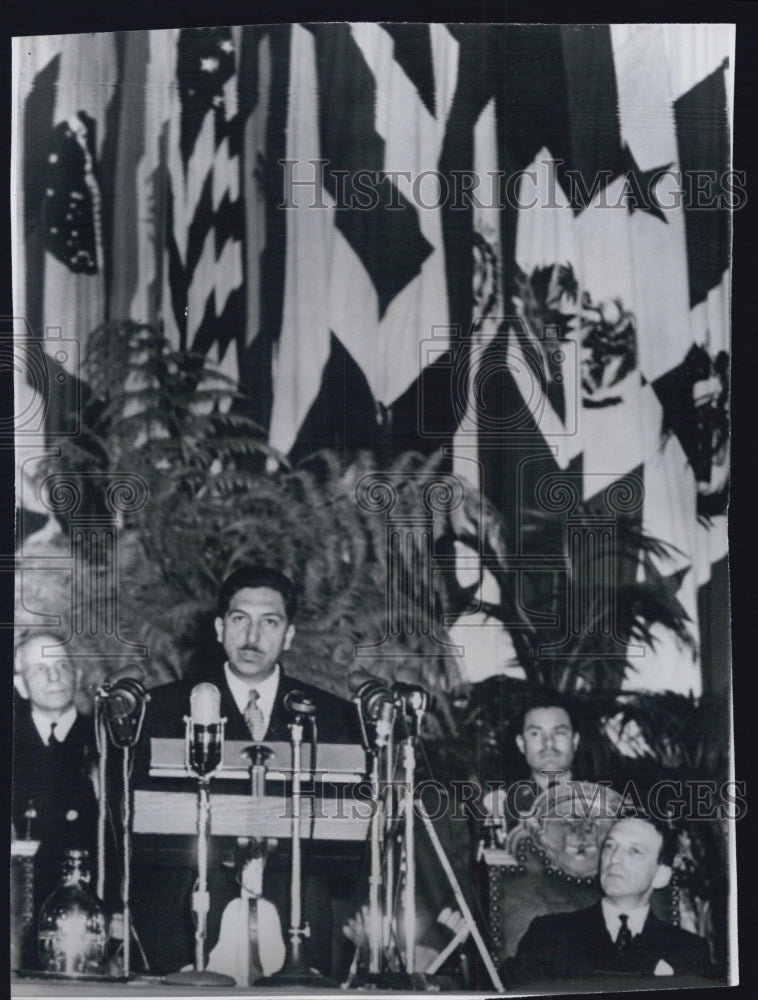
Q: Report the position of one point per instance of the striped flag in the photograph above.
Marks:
(205, 242)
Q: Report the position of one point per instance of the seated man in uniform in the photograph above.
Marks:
(619, 934)
(54, 756)
(254, 625)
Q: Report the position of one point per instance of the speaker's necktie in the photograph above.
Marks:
(254, 717)
(624, 936)
(53, 740)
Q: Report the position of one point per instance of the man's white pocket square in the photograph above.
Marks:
(663, 969)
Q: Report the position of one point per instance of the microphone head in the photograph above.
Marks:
(127, 689)
(205, 705)
(132, 671)
(299, 703)
(374, 696)
(401, 688)
(358, 678)
(413, 697)
(124, 707)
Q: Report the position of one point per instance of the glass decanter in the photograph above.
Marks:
(72, 926)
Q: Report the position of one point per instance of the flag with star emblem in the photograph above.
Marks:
(72, 199)
(63, 142)
(633, 115)
(290, 200)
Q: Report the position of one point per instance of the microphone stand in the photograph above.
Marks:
(124, 734)
(414, 704)
(389, 847)
(203, 756)
(409, 843)
(375, 925)
(406, 979)
(296, 972)
(380, 975)
(377, 715)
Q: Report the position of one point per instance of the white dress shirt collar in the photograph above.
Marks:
(612, 913)
(63, 724)
(266, 689)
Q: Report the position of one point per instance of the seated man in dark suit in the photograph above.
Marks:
(620, 934)
(54, 757)
(254, 625)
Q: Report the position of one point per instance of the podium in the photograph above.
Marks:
(339, 816)
(334, 823)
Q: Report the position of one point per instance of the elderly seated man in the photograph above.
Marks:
(54, 758)
(619, 934)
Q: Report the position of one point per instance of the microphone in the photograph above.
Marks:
(299, 703)
(99, 687)
(123, 698)
(376, 706)
(358, 678)
(205, 730)
(412, 697)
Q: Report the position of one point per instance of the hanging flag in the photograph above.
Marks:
(683, 90)
(65, 94)
(627, 115)
(303, 346)
(487, 646)
(207, 217)
(366, 167)
(138, 206)
(261, 85)
(36, 67)
(71, 208)
(351, 307)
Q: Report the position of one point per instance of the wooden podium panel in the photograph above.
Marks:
(245, 816)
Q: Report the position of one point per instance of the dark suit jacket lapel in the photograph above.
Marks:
(602, 952)
(649, 943)
(26, 733)
(278, 726)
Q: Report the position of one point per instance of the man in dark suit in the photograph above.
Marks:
(53, 798)
(254, 625)
(619, 935)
